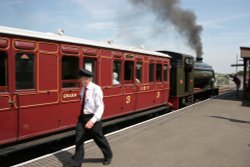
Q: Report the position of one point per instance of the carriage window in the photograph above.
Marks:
(3, 72)
(151, 72)
(138, 72)
(90, 65)
(159, 72)
(116, 72)
(165, 72)
(25, 71)
(70, 67)
(128, 71)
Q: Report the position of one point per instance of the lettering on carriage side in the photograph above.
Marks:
(158, 94)
(129, 56)
(69, 95)
(145, 87)
(128, 99)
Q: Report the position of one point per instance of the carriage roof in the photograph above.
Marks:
(68, 39)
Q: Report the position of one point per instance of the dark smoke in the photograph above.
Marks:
(183, 20)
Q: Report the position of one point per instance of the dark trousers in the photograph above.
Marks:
(96, 132)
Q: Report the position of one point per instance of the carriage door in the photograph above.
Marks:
(140, 97)
(8, 108)
(188, 74)
(129, 87)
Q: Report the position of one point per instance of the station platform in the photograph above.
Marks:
(215, 132)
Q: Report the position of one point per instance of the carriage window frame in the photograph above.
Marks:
(128, 76)
(22, 80)
(151, 72)
(139, 73)
(72, 81)
(117, 68)
(93, 67)
(4, 83)
(165, 72)
(159, 72)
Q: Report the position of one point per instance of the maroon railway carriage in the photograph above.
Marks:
(39, 91)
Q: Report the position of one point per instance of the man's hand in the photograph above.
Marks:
(89, 124)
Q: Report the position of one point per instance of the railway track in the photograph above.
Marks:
(225, 89)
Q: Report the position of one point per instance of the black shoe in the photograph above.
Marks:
(107, 161)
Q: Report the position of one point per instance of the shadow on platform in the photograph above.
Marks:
(233, 96)
(230, 119)
(246, 103)
(65, 159)
(93, 160)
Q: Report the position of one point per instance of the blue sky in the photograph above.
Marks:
(226, 24)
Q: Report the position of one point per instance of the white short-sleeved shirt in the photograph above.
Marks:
(93, 101)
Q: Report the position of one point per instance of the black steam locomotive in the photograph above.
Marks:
(191, 80)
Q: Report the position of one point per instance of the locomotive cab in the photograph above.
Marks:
(181, 77)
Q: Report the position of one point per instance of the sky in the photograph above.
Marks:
(226, 24)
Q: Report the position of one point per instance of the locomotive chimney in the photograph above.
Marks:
(199, 59)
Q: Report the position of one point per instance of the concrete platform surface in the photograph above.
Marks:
(214, 133)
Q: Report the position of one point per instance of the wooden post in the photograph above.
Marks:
(244, 79)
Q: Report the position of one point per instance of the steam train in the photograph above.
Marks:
(39, 90)
(191, 80)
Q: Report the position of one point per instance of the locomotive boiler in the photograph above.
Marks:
(204, 77)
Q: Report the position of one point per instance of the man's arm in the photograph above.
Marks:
(98, 100)
(99, 106)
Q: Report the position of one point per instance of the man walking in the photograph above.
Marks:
(89, 122)
(237, 82)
